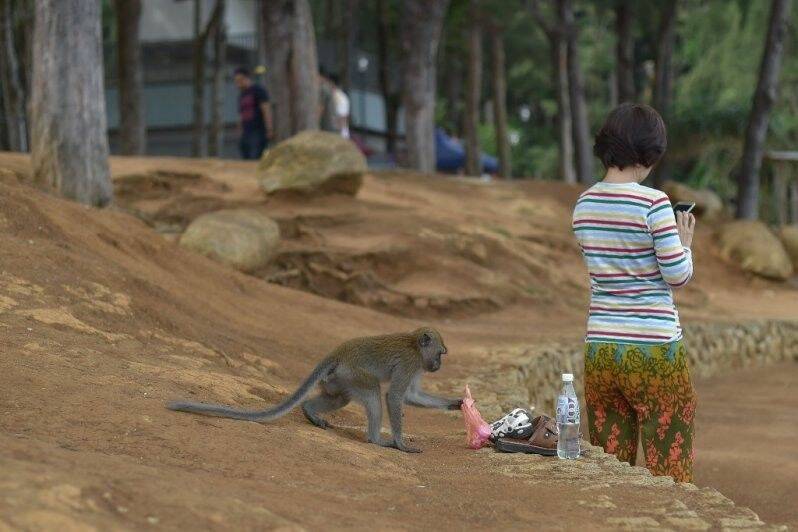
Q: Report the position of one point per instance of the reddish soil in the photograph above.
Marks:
(103, 320)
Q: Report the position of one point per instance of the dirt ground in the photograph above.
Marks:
(103, 320)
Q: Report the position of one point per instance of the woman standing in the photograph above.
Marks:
(636, 376)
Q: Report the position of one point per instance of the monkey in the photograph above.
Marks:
(354, 371)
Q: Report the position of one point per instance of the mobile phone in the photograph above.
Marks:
(684, 206)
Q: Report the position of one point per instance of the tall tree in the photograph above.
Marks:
(290, 45)
(132, 129)
(765, 95)
(473, 164)
(199, 147)
(346, 41)
(216, 131)
(576, 93)
(558, 47)
(11, 85)
(499, 90)
(624, 51)
(68, 125)
(663, 77)
(388, 86)
(421, 32)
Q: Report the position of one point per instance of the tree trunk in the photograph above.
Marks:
(764, 97)
(422, 22)
(198, 145)
(292, 66)
(216, 133)
(304, 69)
(473, 164)
(389, 93)
(277, 37)
(624, 51)
(16, 126)
(794, 200)
(346, 43)
(576, 93)
(559, 51)
(499, 89)
(68, 133)
(663, 78)
(132, 132)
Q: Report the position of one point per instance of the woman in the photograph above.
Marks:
(637, 252)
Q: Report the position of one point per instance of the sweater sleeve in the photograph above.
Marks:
(675, 261)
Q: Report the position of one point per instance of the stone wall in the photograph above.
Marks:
(530, 375)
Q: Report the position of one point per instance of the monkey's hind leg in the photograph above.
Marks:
(324, 402)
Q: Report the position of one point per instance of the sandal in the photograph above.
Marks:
(517, 424)
(543, 440)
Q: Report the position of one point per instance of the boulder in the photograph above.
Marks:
(312, 161)
(242, 238)
(789, 237)
(755, 248)
(708, 205)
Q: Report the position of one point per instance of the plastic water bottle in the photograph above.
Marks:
(568, 444)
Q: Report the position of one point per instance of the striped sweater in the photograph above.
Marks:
(628, 237)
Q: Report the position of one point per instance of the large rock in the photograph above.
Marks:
(708, 205)
(313, 161)
(242, 238)
(789, 237)
(755, 248)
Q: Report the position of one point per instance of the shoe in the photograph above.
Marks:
(517, 424)
(542, 441)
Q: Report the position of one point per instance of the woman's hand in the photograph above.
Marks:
(685, 224)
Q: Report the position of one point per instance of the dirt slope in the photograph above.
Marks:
(103, 320)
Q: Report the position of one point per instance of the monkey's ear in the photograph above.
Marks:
(424, 340)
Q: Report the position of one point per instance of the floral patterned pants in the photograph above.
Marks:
(646, 390)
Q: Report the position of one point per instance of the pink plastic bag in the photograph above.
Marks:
(477, 431)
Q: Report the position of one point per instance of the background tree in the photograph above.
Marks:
(624, 51)
(499, 91)
(14, 124)
(576, 93)
(292, 72)
(199, 147)
(421, 31)
(764, 97)
(68, 124)
(663, 78)
(386, 65)
(216, 131)
(558, 46)
(132, 128)
(473, 163)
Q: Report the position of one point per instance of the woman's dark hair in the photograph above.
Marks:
(632, 134)
(244, 71)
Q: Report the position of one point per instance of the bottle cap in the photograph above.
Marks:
(568, 377)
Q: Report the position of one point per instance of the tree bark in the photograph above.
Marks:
(576, 94)
(132, 129)
(422, 21)
(499, 89)
(216, 132)
(292, 66)
(304, 69)
(663, 78)
(346, 43)
(624, 51)
(764, 97)
(198, 145)
(390, 95)
(473, 164)
(16, 126)
(68, 133)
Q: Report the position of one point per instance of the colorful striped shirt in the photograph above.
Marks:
(634, 256)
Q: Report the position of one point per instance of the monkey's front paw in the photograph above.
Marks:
(405, 449)
(456, 404)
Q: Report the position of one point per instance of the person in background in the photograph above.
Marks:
(254, 115)
(637, 383)
(328, 118)
(342, 106)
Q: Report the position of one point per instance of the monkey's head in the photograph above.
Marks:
(430, 345)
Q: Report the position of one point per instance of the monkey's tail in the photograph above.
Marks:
(324, 368)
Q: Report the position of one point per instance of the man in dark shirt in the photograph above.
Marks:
(254, 115)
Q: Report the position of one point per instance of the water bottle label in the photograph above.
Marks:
(567, 409)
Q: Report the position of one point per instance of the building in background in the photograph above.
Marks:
(167, 40)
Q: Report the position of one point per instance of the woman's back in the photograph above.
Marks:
(634, 256)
